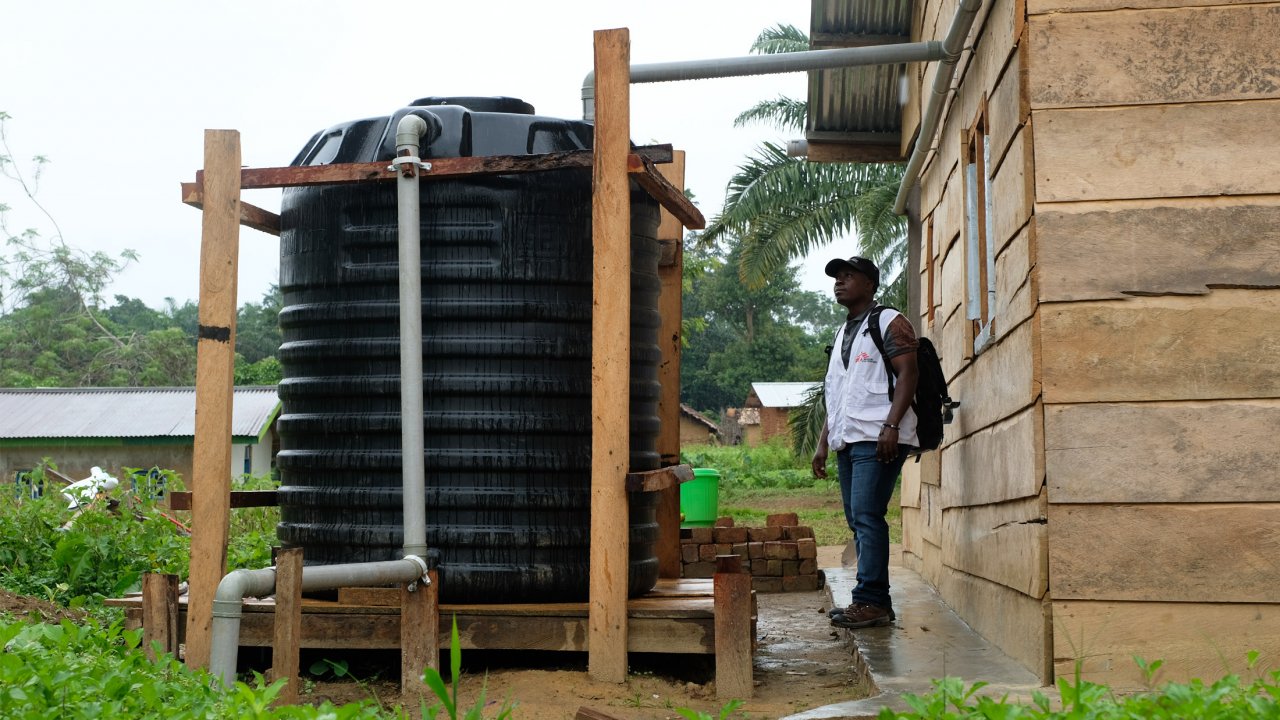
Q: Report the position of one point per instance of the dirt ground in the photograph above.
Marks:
(800, 664)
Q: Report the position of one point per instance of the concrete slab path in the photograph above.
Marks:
(928, 641)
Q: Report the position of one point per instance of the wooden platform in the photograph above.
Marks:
(676, 617)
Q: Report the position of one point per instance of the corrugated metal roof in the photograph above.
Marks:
(782, 394)
(124, 412)
(856, 105)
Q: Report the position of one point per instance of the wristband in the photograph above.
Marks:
(891, 427)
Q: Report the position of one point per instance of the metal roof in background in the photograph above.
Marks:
(857, 105)
(124, 412)
(782, 394)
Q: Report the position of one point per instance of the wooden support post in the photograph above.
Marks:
(287, 635)
(215, 362)
(733, 629)
(670, 306)
(159, 614)
(610, 359)
(419, 637)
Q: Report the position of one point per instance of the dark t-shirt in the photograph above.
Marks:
(900, 339)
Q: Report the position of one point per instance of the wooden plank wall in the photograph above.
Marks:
(974, 514)
(1157, 268)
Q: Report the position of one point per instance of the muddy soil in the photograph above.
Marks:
(800, 664)
(29, 608)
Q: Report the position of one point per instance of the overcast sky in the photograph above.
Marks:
(118, 94)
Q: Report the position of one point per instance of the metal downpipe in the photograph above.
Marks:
(768, 65)
(951, 47)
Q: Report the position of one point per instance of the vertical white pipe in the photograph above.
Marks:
(412, 446)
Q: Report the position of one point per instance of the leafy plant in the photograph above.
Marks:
(1229, 697)
(448, 695)
(725, 712)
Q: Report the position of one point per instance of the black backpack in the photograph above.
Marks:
(932, 404)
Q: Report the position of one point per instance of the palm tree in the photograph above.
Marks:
(781, 208)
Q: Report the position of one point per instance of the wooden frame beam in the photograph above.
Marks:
(215, 365)
(251, 216)
(181, 499)
(659, 481)
(669, 196)
(610, 359)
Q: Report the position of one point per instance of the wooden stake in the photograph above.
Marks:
(288, 623)
(215, 362)
(610, 359)
(733, 629)
(160, 614)
(419, 637)
(670, 307)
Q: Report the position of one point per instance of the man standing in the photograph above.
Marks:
(870, 430)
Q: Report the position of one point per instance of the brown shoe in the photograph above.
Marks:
(861, 615)
(833, 613)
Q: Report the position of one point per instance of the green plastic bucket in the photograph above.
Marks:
(700, 498)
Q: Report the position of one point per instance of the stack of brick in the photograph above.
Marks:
(782, 555)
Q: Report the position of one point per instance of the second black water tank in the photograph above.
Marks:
(506, 284)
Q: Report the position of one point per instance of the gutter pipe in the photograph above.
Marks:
(951, 47)
(768, 65)
(235, 586)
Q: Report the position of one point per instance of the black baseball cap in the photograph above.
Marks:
(859, 264)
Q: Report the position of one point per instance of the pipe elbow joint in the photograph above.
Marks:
(416, 130)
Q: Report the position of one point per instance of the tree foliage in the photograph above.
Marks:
(57, 331)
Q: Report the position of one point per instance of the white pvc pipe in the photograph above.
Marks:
(768, 65)
(240, 584)
(235, 586)
(409, 134)
(951, 47)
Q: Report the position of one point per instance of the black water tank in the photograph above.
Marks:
(506, 286)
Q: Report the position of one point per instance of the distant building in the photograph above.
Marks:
(768, 406)
(696, 428)
(112, 428)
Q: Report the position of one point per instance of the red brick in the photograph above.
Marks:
(790, 567)
(707, 553)
(755, 550)
(795, 533)
(790, 551)
(807, 547)
(800, 583)
(700, 535)
(740, 549)
(782, 520)
(689, 552)
(765, 534)
(700, 570)
(731, 535)
(724, 522)
(773, 568)
(766, 584)
(723, 548)
(773, 550)
(808, 567)
(759, 567)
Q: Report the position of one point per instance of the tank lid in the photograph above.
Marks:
(479, 104)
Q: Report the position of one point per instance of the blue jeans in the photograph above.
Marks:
(866, 484)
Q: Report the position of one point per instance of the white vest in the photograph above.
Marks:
(857, 397)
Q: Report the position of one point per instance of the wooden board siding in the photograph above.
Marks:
(1195, 640)
(1040, 7)
(1163, 452)
(1009, 106)
(1016, 623)
(1012, 189)
(1154, 56)
(1002, 462)
(1109, 250)
(1000, 382)
(1015, 284)
(1157, 151)
(1174, 552)
(931, 514)
(1004, 543)
(1221, 345)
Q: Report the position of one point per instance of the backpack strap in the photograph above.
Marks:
(873, 327)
